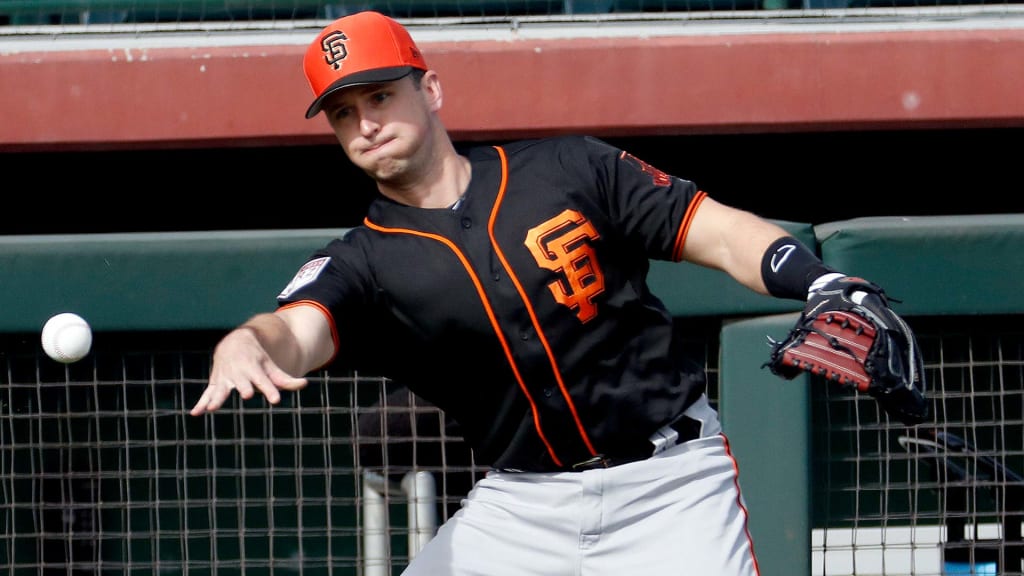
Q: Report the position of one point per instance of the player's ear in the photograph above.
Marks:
(430, 85)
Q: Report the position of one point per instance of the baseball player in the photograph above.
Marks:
(506, 285)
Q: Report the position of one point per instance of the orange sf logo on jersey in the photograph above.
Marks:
(560, 245)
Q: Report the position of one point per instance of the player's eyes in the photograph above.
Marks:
(343, 111)
(340, 112)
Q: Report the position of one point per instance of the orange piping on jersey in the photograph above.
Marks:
(684, 227)
(739, 502)
(490, 316)
(533, 314)
(330, 322)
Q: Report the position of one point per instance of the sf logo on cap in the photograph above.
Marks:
(334, 48)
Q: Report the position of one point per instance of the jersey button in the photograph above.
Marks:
(467, 223)
(524, 335)
(496, 276)
(548, 392)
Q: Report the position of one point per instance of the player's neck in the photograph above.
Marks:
(442, 182)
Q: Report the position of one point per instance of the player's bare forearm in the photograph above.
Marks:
(276, 337)
(263, 354)
(731, 240)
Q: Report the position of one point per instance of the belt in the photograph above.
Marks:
(685, 428)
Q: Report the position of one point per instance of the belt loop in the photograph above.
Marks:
(665, 438)
(680, 431)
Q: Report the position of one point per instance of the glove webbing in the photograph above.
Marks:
(850, 375)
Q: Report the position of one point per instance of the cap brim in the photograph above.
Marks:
(359, 78)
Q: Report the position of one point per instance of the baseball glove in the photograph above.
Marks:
(848, 334)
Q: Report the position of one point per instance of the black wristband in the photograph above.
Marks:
(788, 268)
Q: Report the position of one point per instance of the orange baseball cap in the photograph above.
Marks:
(362, 48)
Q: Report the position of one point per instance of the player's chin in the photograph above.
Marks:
(388, 171)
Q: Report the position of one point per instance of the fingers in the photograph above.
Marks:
(213, 398)
(269, 383)
(241, 365)
(281, 380)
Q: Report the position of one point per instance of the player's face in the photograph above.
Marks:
(384, 128)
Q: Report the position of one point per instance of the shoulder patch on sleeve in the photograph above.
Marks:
(309, 272)
(658, 177)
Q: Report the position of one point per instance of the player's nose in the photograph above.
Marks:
(369, 122)
(368, 126)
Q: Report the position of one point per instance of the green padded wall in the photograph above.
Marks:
(149, 281)
(767, 420)
(963, 265)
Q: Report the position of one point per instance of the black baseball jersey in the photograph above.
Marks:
(523, 312)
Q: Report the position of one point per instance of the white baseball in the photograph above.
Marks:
(67, 337)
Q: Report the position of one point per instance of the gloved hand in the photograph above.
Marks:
(848, 334)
